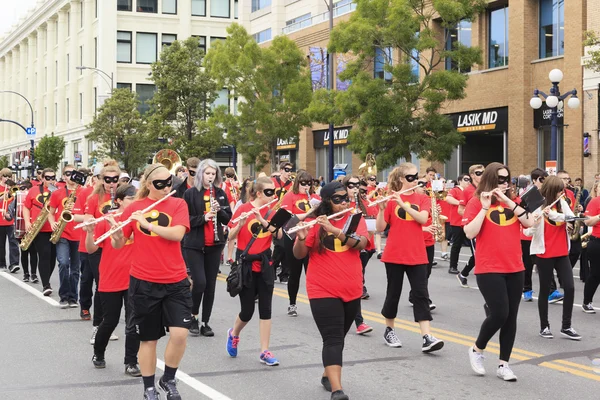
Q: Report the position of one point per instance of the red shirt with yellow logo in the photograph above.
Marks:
(281, 188)
(296, 203)
(57, 201)
(79, 209)
(96, 207)
(405, 244)
(251, 226)
(555, 238)
(5, 190)
(209, 226)
(114, 264)
(36, 198)
(336, 271)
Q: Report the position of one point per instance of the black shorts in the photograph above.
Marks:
(158, 306)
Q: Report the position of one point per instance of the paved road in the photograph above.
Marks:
(45, 352)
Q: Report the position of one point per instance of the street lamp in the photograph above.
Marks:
(330, 88)
(81, 68)
(30, 132)
(555, 102)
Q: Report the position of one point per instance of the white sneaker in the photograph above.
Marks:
(476, 360)
(114, 337)
(93, 338)
(504, 372)
(391, 339)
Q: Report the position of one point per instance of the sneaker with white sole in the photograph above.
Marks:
(476, 360)
(292, 310)
(545, 333)
(431, 343)
(570, 333)
(462, 280)
(505, 373)
(93, 338)
(113, 337)
(588, 308)
(390, 337)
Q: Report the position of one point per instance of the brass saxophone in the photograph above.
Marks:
(65, 217)
(37, 224)
(576, 234)
(437, 220)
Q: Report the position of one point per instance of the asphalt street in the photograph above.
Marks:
(45, 351)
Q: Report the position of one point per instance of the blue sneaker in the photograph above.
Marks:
(528, 295)
(555, 297)
(267, 358)
(232, 343)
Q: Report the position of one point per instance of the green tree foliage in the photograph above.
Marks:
(49, 151)
(4, 162)
(120, 132)
(399, 116)
(273, 86)
(593, 41)
(182, 102)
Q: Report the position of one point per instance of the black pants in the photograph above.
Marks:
(46, 252)
(279, 259)
(528, 261)
(584, 265)
(502, 294)
(458, 238)
(365, 256)
(112, 302)
(248, 296)
(574, 254)
(294, 267)
(29, 258)
(471, 263)
(546, 267)
(593, 279)
(3, 237)
(204, 268)
(86, 282)
(333, 318)
(430, 255)
(417, 276)
(94, 262)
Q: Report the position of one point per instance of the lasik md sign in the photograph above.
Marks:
(494, 119)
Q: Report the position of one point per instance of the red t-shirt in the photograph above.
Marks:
(281, 188)
(209, 226)
(499, 228)
(336, 271)
(229, 192)
(252, 225)
(570, 199)
(592, 210)
(114, 264)
(455, 218)
(4, 206)
(155, 259)
(446, 210)
(296, 203)
(428, 237)
(35, 200)
(57, 201)
(98, 208)
(372, 213)
(555, 239)
(79, 209)
(405, 244)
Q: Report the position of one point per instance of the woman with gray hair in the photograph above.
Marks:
(202, 246)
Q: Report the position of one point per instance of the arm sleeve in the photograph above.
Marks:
(195, 219)
(471, 210)
(181, 217)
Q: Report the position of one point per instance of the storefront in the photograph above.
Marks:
(286, 150)
(486, 136)
(542, 121)
(341, 153)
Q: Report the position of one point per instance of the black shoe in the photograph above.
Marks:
(326, 384)
(98, 362)
(14, 269)
(194, 328)
(379, 255)
(365, 294)
(206, 330)
(73, 304)
(170, 388)
(133, 370)
(462, 280)
(63, 304)
(26, 278)
(85, 315)
(34, 278)
(433, 264)
(453, 271)
(339, 395)
(430, 343)
(151, 394)
(47, 291)
(570, 333)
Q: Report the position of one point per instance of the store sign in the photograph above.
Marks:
(340, 137)
(286, 144)
(543, 116)
(492, 119)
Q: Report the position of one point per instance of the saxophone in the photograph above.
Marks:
(576, 234)
(437, 220)
(65, 217)
(37, 224)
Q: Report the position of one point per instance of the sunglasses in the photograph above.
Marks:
(160, 184)
(269, 192)
(411, 178)
(363, 191)
(466, 179)
(6, 176)
(339, 199)
(352, 185)
(68, 173)
(421, 183)
(316, 182)
(192, 172)
(287, 169)
(541, 179)
(111, 179)
(503, 179)
(478, 173)
(304, 183)
(50, 177)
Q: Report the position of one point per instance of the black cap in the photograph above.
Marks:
(329, 190)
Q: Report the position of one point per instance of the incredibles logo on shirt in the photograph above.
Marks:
(553, 223)
(104, 207)
(303, 205)
(255, 227)
(501, 216)
(155, 217)
(206, 203)
(403, 215)
(42, 197)
(280, 192)
(334, 244)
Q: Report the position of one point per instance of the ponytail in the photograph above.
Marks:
(143, 192)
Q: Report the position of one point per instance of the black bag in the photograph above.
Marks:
(235, 279)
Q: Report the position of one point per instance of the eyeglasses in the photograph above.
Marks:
(466, 179)
(68, 173)
(304, 183)
(192, 172)
(111, 179)
(339, 199)
(352, 185)
(287, 169)
(269, 192)
(160, 184)
(411, 178)
(502, 179)
(478, 173)
(50, 177)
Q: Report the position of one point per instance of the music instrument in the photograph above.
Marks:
(19, 220)
(576, 234)
(211, 198)
(585, 239)
(249, 213)
(386, 198)
(369, 167)
(36, 226)
(169, 158)
(113, 204)
(438, 221)
(122, 224)
(314, 222)
(96, 220)
(66, 216)
(9, 192)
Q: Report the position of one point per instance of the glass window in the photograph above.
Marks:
(545, 143)
(235, 9)
(169, 7)
(383, 57)
(95, 101)
(67, 110)
(300, 22)
(68, 24)
(220, 8)
(80, 106)
(260, 4)
(121, 85)
(498, 44)
(123, 5)
(199, 8)
(82, 14)
(222, 100)
(214, 39)
(552, 28)
(95, 52)
(413, 60)
(168, 39)
(149, 6)
(145, 46)
(202, 42)
(80, 59)
(123, 47)
(145, 93)
(460, 34)
(262, 36)
(68, 68)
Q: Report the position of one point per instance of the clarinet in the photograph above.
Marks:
(211, 199)
(113, 205)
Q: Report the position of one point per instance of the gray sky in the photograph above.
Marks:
(11, 11)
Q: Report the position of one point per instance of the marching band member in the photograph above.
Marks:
(592, 280)
(67, 248)
(192, 167)
(231, 187)
(259, 276)
(159, 286)
(6, 198)
(428, 236)
(334, 278)
(283, 184)
(456, 202)
(203, 244)
(113, 286)
(29, 256)
(406, 214)
(492, 217)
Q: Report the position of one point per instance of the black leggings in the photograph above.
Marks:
(29, 258)
(546, 267)
(204, 268)
(528, 261)
(333, 318)
(294, 266)
(471, 263)
(46, 256)
(502, 294)
(593, 279)
(112, 302)
(458, 238)
(417, 276)
(94, 263)
(365, 256)
(259, 287)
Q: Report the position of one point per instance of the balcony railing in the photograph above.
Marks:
(341, 8)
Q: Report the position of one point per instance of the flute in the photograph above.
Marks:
(314, 222)
(129, 220)
(96, 220)
(247, 214)
(386, 198)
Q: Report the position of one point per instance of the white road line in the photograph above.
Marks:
(30, 289)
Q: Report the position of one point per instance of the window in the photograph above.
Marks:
(80, 59)
(168, 39)
(95, 101)
(169, 7)
(145, 48)
(68, 24)
(202, 42)
(145, 93)
(123, 47)
(121, 85)
(45, 117)
(199, 8)
(498, 44)
(123, 5)
(300, 22)
(67, 111)
(235, 9)
(95, 8)
(545, 143)
(383, 57)
(56, 33)
(460, 34)
(220, 8)
(214, 39)
(260, 4)
(55, 114)
(95, 52)
(56, 73)
(80, 106)
(414, 64)
(262, 36)
(222, 100)
(68, 69)
(148, 6)
(552, 28)
(82, 14)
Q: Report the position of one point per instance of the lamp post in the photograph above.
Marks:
(81, 68)
(330, 88)
(555, 102)
(30, 132)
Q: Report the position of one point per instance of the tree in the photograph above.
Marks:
(593, 41)
(4, 162)
(273, 86)
(182, 102)
(49, 151)
(119, 130)
(401, 114)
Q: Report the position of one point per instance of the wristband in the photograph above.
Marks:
(523, 213)
(515, 207)
(484, 209)
(301, 240)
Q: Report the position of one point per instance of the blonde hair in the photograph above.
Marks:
(259, 184)
(394, 183)
(6, 172)
(150, 170)
(109, 166)
(594, 189)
